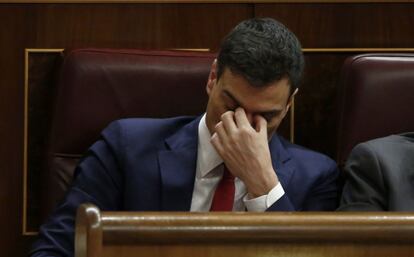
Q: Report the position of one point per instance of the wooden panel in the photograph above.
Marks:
(134, 26)
(204, 1)
(12, 38)
(346, 25)
(40, 84)
(316, 102)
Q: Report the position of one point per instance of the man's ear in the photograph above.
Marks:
(291, 98)
(212, 77)
(290, 102)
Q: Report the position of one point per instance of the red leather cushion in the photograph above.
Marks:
(97, 86)
(377, 98)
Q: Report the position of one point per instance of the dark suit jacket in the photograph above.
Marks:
(150, 164)
(380, 175)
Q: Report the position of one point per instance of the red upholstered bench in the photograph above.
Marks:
(97, 86)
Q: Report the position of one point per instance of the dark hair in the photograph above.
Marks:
(262, 51)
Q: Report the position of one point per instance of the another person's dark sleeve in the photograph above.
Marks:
(364, 188)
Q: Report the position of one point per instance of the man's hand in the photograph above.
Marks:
(245, 151)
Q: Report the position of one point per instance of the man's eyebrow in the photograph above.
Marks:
(232, 97)
(269, 112)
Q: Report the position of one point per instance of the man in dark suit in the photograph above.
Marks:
(228, 159)
(380, 175)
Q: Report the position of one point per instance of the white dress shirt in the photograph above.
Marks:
(208, 175)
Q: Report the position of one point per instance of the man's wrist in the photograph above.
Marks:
(263, 186)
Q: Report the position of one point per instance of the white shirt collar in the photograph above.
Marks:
(207, 156)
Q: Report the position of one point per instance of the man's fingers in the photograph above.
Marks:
(216, 142)
(241, 118)
(228, 122)
(219, 128)
(261, 124)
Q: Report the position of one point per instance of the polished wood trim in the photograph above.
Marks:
(174, 227)
(152, 227)
(88, 234)
(204, 1)
(44, 50)
(27, 53)
(356, 50)
(192, 49)
(25, 139)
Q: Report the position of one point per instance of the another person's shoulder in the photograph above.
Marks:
(378, 142)
(384, 144)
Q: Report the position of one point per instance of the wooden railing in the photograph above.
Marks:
(182, 234)
(206, 1)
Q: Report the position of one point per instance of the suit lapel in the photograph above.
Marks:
(178, 167)
(281, 160)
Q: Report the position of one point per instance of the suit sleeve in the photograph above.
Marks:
(323, 195)
(364, 189)
(98, 181)
(283, 204)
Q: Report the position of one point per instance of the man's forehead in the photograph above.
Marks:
(239, 87)
(255, 103)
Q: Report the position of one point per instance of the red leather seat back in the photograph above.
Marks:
(97, 86)
(377, 99)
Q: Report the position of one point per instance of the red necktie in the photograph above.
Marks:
(224, 195)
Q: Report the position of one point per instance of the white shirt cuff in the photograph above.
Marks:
(261, 203)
